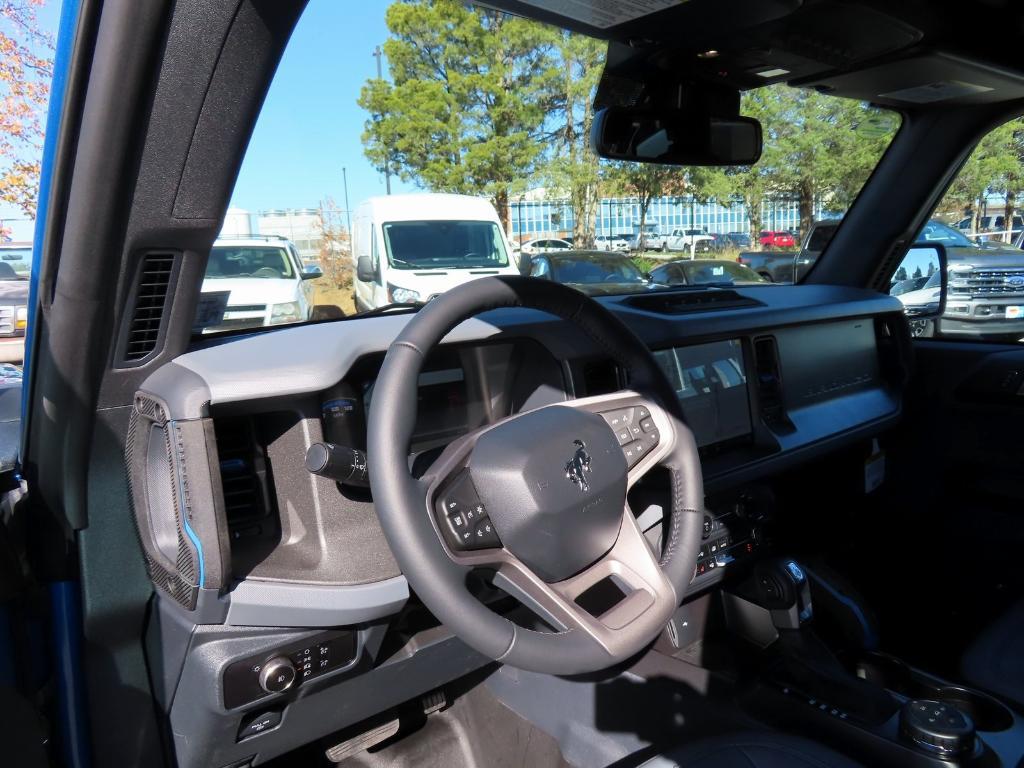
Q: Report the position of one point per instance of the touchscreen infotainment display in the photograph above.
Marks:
(710, 381)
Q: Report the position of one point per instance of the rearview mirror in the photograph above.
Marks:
(312, 272)
(675, 137)
(920, 285)
(364, 270)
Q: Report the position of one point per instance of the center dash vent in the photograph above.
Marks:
(243, 471)
(672, 303)
(146, 323)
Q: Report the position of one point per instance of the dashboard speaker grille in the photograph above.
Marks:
(149, 304)
(171, 559)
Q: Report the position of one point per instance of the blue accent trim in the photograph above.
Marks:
(183, 510)
(66, 615)
(54, 117)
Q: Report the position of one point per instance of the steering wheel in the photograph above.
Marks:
(266, 272)
(539, 498)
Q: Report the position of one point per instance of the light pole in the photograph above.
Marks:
(378, 54)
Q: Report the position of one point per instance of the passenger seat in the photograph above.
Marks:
(995, 662)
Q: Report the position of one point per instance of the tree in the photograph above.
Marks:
(470, 93)
(573, 169)
(25, 73)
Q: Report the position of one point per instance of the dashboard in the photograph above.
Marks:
(259, 564)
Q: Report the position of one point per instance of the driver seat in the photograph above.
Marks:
(752, 749)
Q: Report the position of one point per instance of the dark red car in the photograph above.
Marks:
(771, 239)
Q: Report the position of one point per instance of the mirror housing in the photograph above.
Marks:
(675, 137)
(365, 272)
(322, 312)
(312, 272)
(927, 301)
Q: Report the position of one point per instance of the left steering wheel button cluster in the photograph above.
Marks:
(463, 518)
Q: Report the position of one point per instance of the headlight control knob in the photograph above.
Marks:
(277, 675)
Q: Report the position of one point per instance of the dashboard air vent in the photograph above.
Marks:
(769, 385)
(242, 471)
(671, 303)
(150, 301)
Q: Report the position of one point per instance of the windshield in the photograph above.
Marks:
(15, 263)
(462, 147)
(263, 262)
(595, 269)
(444, 245)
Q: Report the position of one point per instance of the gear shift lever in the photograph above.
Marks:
(782, 587)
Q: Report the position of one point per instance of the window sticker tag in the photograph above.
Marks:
(210, 312)
(603, 13)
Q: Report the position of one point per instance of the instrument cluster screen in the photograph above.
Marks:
(710, 381)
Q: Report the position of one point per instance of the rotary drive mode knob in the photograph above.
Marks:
(277, 675)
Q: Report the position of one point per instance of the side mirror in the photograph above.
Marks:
(365, 272)
(312, 272)
(675, 137)
(920, 284)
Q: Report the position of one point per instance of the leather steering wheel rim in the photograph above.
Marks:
(405, 509)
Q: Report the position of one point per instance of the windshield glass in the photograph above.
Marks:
(444, 245)
(264, 262)
(462, 147)
(936, 232)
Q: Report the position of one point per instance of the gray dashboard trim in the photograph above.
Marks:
(310, 358)
(275, 604)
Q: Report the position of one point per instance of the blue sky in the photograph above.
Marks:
(310, 125)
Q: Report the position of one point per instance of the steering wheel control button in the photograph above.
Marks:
(277, 675)
(937, 727)
(484, 535)
(620, 418)
(647, 425)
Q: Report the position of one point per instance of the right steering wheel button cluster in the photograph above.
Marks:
(635, 431)
(463, 518)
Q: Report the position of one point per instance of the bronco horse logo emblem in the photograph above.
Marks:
(577, 468)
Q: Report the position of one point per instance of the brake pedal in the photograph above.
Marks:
(433, 702)
(363, 741)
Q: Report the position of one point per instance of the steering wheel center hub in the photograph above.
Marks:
(554, 483)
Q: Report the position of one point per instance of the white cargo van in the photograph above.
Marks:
(413, 247)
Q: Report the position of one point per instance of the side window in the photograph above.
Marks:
(374, 253)
(978, 223)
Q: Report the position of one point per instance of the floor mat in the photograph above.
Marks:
(477, 731)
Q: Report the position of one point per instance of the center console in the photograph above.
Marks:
(870, 705)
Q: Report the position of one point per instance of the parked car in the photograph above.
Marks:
(410, 248)
(255, 282)
(611, 243)
(705, 272)
(15, 270)
(592, 272)
(991, 224)
(650, 239)
(545, 245)
(779, 239)
(736, 240)
(985, 296)
(683, 239)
